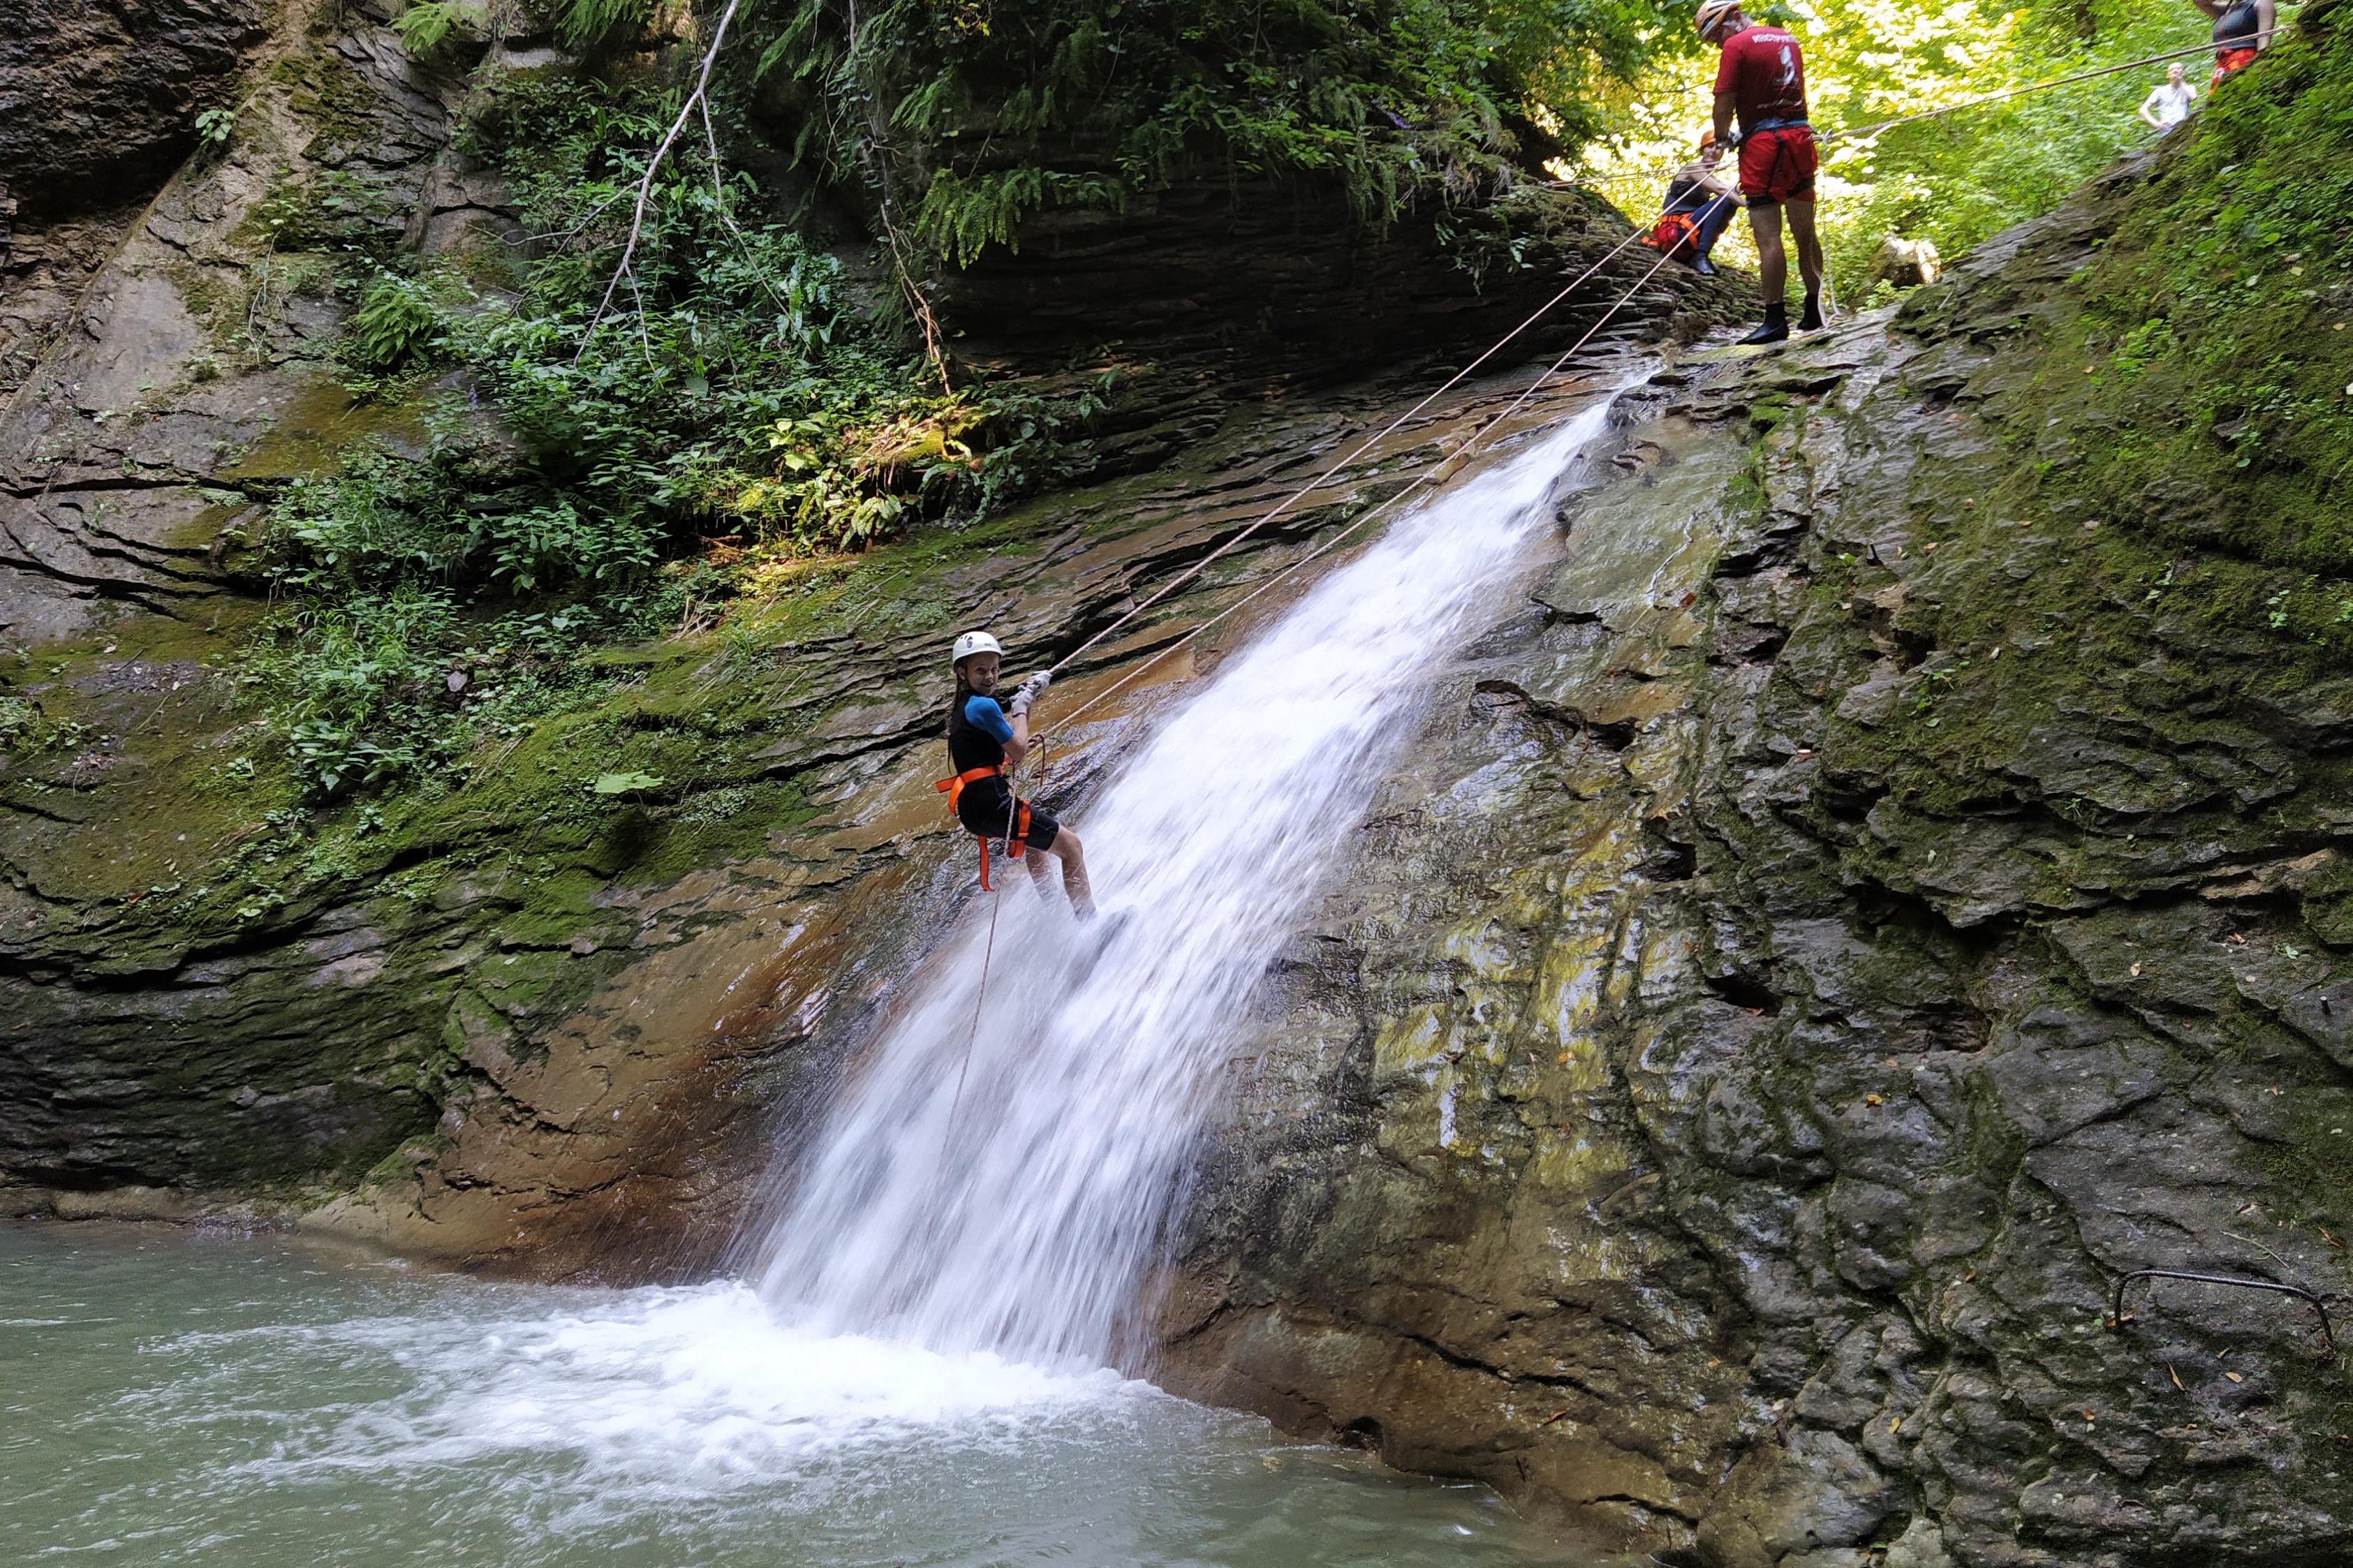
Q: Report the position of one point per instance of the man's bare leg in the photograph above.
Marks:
(1809, 247)
(1772, 261)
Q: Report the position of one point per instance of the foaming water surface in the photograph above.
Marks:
(182, 1397)
(914, 1371)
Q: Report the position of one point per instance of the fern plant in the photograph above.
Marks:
(427, 24)
(584, 24)
(976, 116)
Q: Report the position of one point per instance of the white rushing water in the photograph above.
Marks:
(218, 1399)
(1024, 1225)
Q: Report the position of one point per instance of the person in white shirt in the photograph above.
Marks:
(2168, 104)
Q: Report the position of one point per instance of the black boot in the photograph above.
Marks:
(1809, 320)
(1776, 328)
(1704, 266)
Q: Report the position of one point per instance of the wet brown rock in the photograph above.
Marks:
(1798, 1064)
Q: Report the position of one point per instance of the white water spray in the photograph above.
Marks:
(1026, 1226)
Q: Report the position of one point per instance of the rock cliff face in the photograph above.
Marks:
(1837, 930)
(1845, 920)
(500, 1020)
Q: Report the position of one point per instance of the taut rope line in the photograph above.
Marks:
(1433, 475)
(1367, 445)
(1873, 130)
(1428, 475)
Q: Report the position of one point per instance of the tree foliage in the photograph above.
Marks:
(967, 117)
(1956, 179)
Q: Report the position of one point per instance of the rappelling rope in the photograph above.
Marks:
(1851, 131)
(987, 955)
(1428, 475)
(1442, 471)
(1394, 425)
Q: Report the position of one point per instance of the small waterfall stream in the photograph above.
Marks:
(1023, 1225)
(921, 1376)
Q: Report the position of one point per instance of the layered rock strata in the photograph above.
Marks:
(1833, 932)
(501, 1022)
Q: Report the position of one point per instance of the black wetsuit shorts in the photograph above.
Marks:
(982, 807)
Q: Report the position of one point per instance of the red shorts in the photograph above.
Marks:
(2229, 61)
(1778, 165)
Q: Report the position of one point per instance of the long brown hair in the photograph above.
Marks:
(955, 703)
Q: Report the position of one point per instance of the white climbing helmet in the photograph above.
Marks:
(972, 642)
(1712, 12)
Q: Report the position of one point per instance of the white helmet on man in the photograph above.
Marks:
(972, 642)
(1711, 14)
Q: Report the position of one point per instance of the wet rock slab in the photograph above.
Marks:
(1821, 942)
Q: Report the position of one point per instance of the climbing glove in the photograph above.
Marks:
(1029, 690)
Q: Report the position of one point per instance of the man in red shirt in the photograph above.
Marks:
(1761, 78)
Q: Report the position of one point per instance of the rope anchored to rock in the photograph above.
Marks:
(1444, 470)
(1438, 474)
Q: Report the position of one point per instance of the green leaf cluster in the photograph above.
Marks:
(971, 116)
(2196, 383)
(425, 25)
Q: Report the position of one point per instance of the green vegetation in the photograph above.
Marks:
(1955, 179)
(2150, 557)
(734, 389)
(424, 25)
(739, 385)
(26, 731)
(971, 116)
(1963, 177)
(2204, 385)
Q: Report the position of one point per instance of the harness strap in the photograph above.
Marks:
(955, 786)
(1018, 841)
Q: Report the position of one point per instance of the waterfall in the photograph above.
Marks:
(1025, 1226)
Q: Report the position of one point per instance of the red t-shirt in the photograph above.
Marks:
(1764, 74)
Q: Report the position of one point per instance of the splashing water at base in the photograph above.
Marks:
(186, 1397)
(1012, 1204)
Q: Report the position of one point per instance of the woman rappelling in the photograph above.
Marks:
(986, 741)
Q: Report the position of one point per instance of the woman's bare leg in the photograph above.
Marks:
(1040, 873)
(1772, 261)
(1072, 856)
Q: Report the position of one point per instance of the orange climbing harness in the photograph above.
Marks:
(1014, 842)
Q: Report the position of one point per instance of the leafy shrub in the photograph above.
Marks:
(427, 24)
(555, 543)
(396, 321)
(343, 679)
(376, 518)
(22, 729)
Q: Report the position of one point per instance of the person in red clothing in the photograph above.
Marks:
(1761, 79)
(2242, 29)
